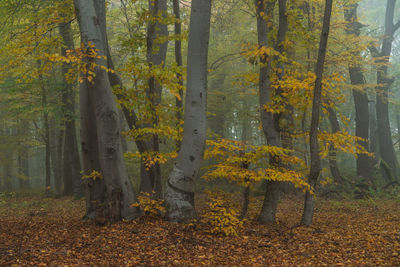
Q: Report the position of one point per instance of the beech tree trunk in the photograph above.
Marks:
(178, 60)
(156, 55)
(270, 122)
(314, 146)
(147, 176)
(112, 192)
(71, 164)
(364, 166)
(386, 148)
(373, 134)
(179, 194)
(398, 127)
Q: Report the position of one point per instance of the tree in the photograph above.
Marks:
(155, 56)
(360, 96)
(179, 194)
(71, 165)
(140, 97)
(270, 120)
(314, 146)
(178, 60)
(110, 193)
(333, 166)
(386, 148)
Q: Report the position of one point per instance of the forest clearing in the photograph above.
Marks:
(48, 232)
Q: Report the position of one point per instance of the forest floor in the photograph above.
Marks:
(49, 232)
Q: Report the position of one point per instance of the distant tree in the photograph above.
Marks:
(361, 102)
(390, 166)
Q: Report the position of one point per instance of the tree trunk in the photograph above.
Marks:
(179, 194)
(217, 121)
(246, 135)
(364, 166)
(333, 166)
(60, 151)
(46, 132)
(23, 157)
(314, 146)
(246, 200)
(146, 175)
(55, 160)
(113, 190)
(47, 144)
(95, 188)
(7, 172)
(178, 60)
(373, 135)
(398, 127)
(270, 122)
(386, 148)
(23, 166)
(71, 164)
(156, 55)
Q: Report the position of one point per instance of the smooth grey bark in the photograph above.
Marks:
(315, 169)
(179, 193)
(386, 148)
(71, 164)
(364, 166)
(147, 176)
(398, 127)
(95, 189)
(122, 130)
(178, 60)
(373, 134)
(114, 190)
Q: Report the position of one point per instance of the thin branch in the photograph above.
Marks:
(220, 60)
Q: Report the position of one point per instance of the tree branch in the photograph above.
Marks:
(219, 61)
(396, 26)
(374, 51)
